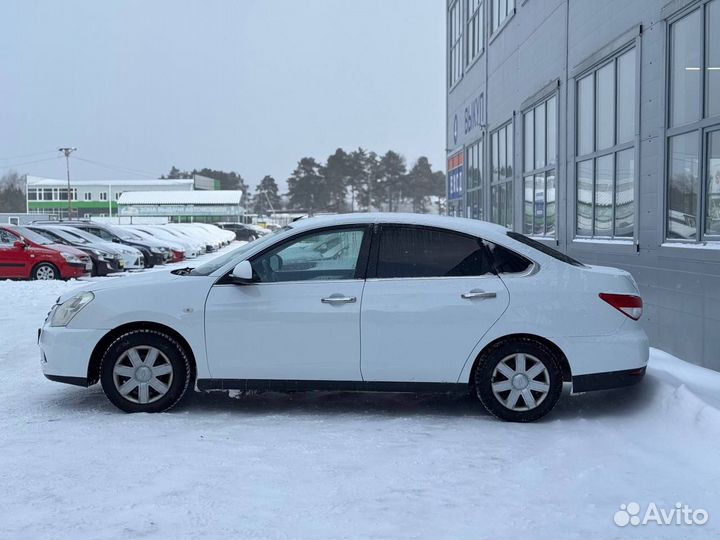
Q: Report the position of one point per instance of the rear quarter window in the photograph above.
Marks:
(550, 252)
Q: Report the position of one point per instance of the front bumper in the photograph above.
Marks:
(65, 352)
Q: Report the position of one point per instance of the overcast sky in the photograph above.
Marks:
(245, 85)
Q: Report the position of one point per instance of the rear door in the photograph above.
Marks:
(432, 298)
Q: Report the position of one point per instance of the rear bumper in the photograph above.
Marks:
(607, 380)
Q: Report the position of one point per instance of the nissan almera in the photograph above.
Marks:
(358, 302)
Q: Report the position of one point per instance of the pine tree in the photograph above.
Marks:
(306, 189)
(391, 181)
(267, 196)
(336, 180)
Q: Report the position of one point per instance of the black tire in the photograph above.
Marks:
(174, 354)
(486, 375)
(44, 269)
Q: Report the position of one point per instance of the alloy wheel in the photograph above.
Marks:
(142, 374)
(520, 382)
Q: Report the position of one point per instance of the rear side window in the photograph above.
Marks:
(416, 252)
(544, 249)
(507, 261)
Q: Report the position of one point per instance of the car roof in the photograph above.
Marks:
(470, 226)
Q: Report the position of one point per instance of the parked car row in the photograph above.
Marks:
(73, 248)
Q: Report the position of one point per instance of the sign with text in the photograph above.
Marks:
(456, 177)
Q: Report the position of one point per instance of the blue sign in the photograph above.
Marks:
(456, 176)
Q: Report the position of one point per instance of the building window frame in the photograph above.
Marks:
(549, 169)
(455, 35)
(103, 196)
(502, 156)
(474, 30)
(702, 128)
(500, 13)
(613, 150)
(475, 179)
(87, 196)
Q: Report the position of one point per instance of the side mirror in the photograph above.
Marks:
(242, 274)
(20, 244)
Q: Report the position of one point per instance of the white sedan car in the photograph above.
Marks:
(362, 302)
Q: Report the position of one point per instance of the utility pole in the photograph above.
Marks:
(67, 151)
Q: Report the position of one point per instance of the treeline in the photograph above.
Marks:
(347, 181)
(12, 192)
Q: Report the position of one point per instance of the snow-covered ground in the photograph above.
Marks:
(327, 465)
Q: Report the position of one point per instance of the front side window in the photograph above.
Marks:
(474, 31)
(605, 149)
(326, 255)
(501, 10)
(417, 252)
(539, 168)
(693, 136)
(455, 65)
(7, 237)
(501, 176)
(474, 163)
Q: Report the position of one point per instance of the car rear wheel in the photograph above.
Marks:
(145, 371)
(45, 271)
(518, 380)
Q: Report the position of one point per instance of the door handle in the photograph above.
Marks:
(338, 299)
(477, 293)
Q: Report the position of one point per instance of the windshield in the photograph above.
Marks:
(83, 235)
(218, 262)
(33, 236)
(65, 236)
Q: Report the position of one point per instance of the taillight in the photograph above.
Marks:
(628, 304)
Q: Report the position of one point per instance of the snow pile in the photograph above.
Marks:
(329, 465)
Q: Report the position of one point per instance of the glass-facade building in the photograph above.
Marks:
(595, 127)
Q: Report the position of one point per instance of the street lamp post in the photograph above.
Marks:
(67, 151)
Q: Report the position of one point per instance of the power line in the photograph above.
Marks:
(27, 155)
(14, 165)
(119, 168)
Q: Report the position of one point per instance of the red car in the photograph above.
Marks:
(25, 254)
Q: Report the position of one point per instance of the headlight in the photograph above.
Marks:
(65, 312)
(69, 257)
(101, 255)
(156, 250)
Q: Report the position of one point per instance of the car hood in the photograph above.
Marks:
(66, 249)
(126, 281)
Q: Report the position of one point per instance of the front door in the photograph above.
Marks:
(299, 319)
(13, 260)
(432, 298)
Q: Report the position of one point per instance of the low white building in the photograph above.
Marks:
(91, 198)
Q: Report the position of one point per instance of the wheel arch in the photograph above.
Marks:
(49, 263)
(93, 375)
(557, 351)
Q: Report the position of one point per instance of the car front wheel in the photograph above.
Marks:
(145, 371)
(45, 271)
(518, 380)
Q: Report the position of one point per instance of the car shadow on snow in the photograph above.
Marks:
(622, 402)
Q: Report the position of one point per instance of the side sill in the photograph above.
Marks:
(607, 380)
(76, 381)
(329, 386)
